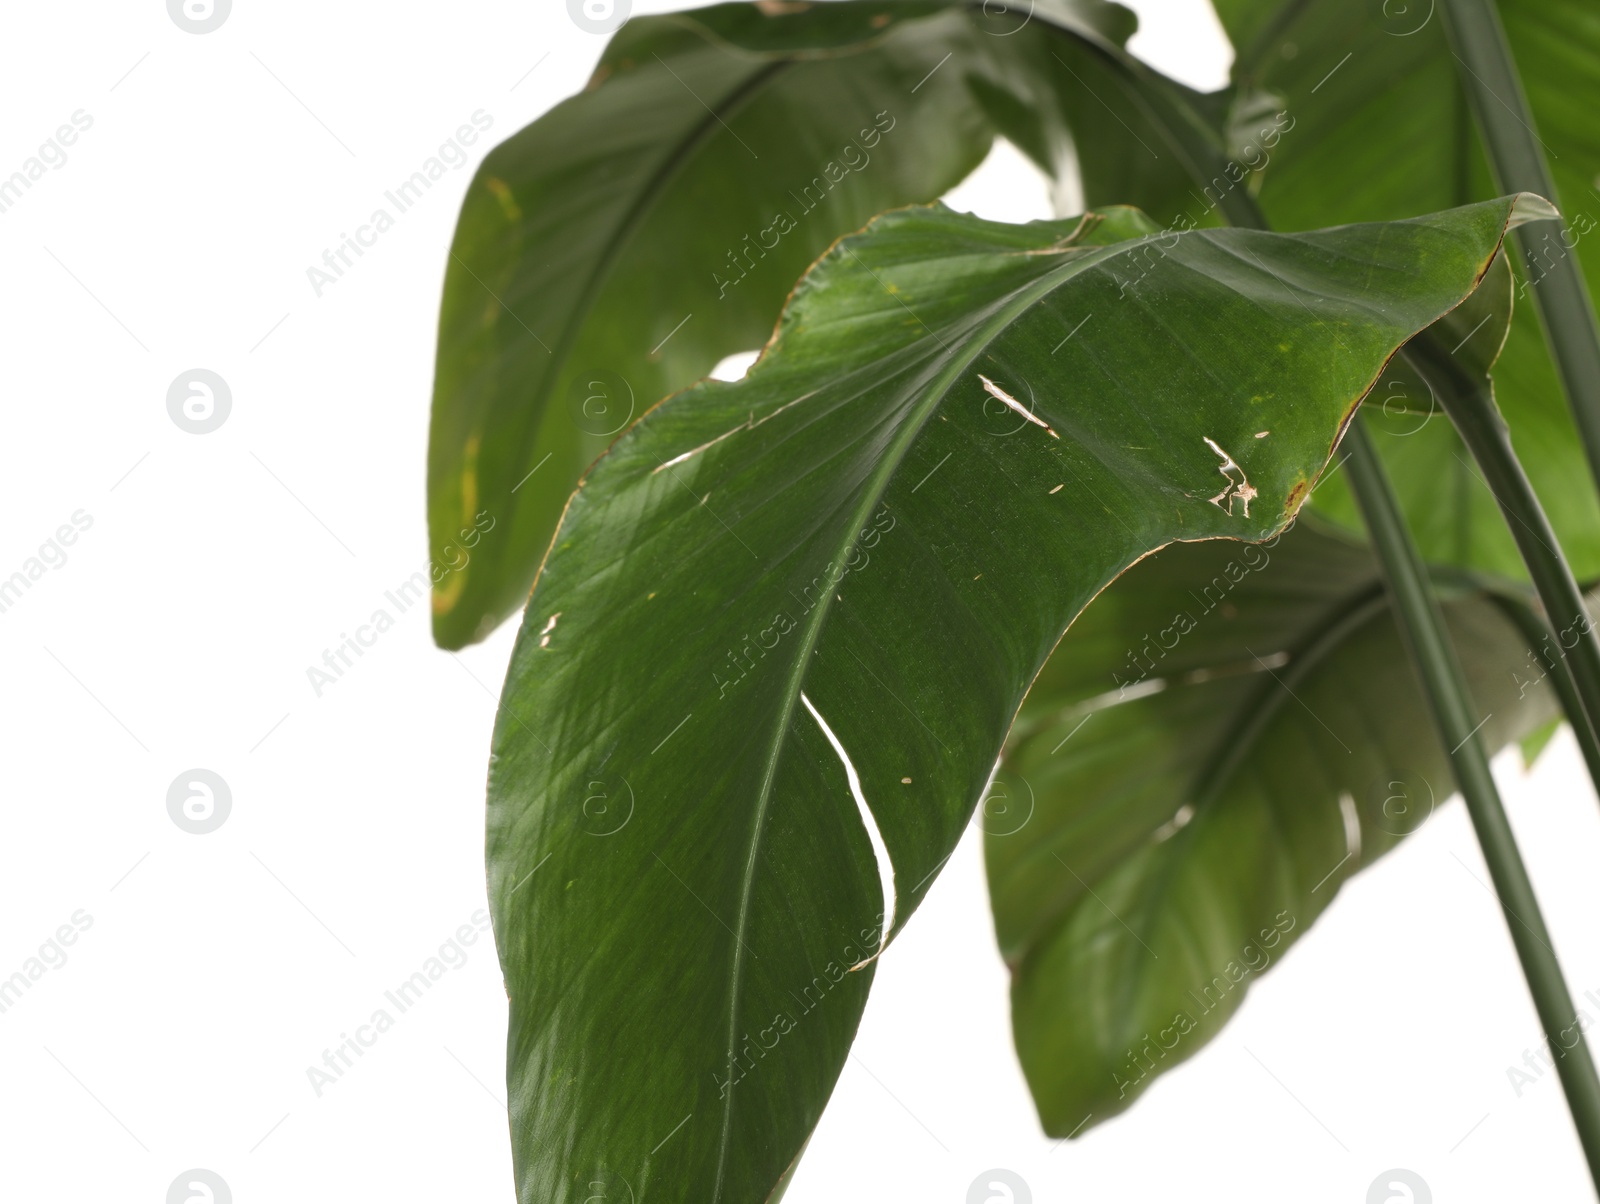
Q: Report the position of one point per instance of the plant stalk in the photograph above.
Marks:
(1421, 624)
(1469, 401)
(1516, 156)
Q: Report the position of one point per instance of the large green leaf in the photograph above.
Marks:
(618, 247)
(792, 617)
(1382, 130)
(1222, 740)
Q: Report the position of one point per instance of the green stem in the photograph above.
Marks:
(1494, 90)
(1422, 625)
(1469, 401)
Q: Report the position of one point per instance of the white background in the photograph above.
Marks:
(219, 567)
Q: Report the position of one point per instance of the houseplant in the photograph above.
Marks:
(781, 639)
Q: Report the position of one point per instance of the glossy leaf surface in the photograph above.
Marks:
(790, 619)
(1382, 130)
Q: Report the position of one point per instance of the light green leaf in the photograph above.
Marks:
(1536, 741)
(780, 608)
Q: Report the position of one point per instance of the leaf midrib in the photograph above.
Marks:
(1245, 731)
(876, 485)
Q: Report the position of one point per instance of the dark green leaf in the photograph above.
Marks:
(622, 244)
(960, 433)
(1223, 739)
(1112, 131)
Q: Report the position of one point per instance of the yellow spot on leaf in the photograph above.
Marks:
(501, 191)
(469, 479)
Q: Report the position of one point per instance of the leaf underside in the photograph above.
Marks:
(1219, 743)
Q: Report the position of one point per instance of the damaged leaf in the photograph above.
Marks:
(798, 613)
(1375, 91)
